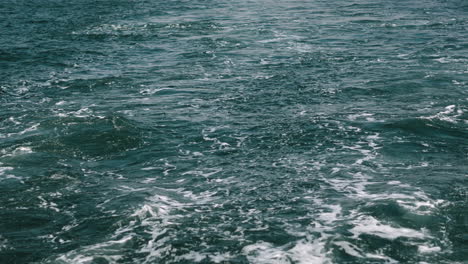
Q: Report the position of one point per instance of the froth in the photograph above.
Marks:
(302, 252)
(371, 226)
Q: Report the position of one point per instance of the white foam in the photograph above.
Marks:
(301, 47)
(353, 117)
(302, 252)
(3, 173)
(263, 252)
(148, 180)
(209, 173)
(309, 253)
(216, 142)
(449, 60)
(22, 150)
(417, 201)
(371, 226)
(47, 204)
(194, 256)
(13, 120)
(149, 168)
(394, 182)
(3, 243)
(428, 249)
(29, 129)
(4, 169)
(332, 215)
(151, 91)
(451, 114)
(220, 257)
(385, 258)
(354, 186)
(349, 248)
(152, 217)
(84, 112)
(110, 251)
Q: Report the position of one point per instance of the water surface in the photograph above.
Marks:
(233, 131)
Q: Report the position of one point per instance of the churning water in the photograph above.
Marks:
(250, 131)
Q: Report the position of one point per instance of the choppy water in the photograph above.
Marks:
(243, 131)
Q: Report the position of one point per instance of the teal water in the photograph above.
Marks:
(242, 131)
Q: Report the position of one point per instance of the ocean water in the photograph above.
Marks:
(249, 131)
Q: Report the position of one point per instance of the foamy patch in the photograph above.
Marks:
(301, 47)
(449, 60)
(109, 251)
(4, 175)
(120, 29)
(27, 130)
(305, 252)
(382, 257)
(83, 112)
(13, 120)
(354, 251)
(394, 182)
(451, 114)
(220, 257)
(349, 249)
(206, 174)
(4, 169)
(47, 204)
(22, 151)
(355, 185)
(263, 252)
(354, 117)
(428, 249)
(420, 206)
(16, 152)
(371, 226)
(332, 215)
(414, 201)
(368, 152)
(302, 252)
(153, 218)
(3, 243)
(216, 142)
(160, 212)
(194, 256)
(311, 249)
(151, 91)
(356, 188)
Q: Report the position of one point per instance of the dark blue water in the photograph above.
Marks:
(222, 131)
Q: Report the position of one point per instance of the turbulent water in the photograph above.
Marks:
(250, 131)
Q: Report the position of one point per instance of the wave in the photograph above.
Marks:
(83, 135)
(449, 124)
